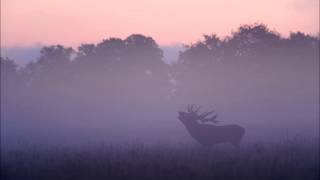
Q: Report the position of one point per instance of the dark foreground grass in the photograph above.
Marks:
(290, 160)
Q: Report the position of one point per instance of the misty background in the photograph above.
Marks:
(131, 89)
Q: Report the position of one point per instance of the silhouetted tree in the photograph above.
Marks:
(85, 50)
(12, 88)
(252, 49)
(51, 68)
(9, 71)
(11, 79)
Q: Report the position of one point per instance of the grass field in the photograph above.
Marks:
(294, 160)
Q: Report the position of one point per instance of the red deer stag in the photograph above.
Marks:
(209, 134)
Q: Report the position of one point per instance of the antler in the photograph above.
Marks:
(203, 116)
(193, 109)
(212, 119)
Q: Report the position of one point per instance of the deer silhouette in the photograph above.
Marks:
(203, 129)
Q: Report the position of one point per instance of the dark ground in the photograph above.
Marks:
(294, 160)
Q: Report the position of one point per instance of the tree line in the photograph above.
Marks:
(132, 69)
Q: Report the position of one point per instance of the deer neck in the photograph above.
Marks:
(193, 127)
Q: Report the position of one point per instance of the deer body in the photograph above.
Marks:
(210, 134)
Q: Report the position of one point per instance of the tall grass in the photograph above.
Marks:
(295, 160)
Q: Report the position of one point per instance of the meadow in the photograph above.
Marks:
(290, 159)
